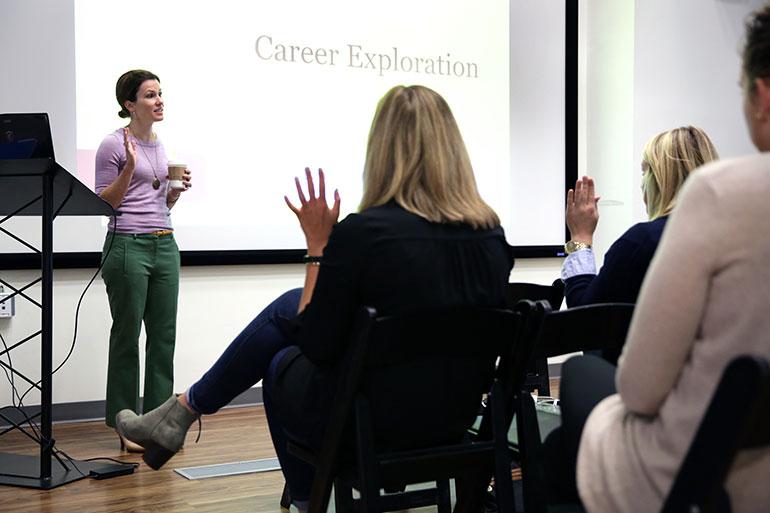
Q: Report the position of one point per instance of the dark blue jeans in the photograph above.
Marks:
(298, 474)
(244, 363)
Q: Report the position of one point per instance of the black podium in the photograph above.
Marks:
(41, 187)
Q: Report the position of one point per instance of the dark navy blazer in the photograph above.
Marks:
(625, 265)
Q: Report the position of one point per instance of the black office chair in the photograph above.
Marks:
(592, 327)
(738, 417)
(537, 372)
(381, 348)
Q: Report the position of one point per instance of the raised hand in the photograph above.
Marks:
(315, 217)
(582, 210)
(130, 151)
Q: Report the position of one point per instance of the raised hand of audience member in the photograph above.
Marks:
(582, 210)
(315, 216)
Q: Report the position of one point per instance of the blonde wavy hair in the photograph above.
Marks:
(667, 160)
(416, 156)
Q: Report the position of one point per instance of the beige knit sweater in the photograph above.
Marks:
(705, 300)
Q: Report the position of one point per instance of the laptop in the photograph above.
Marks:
(25, 136)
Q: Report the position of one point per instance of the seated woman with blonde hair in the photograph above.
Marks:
(667, 161)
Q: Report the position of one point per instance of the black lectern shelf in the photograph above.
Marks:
(41, 187)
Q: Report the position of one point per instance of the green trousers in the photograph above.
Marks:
(141, 273)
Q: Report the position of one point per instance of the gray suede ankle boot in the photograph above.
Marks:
(161, 431)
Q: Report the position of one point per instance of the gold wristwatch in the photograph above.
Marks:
(573, 245)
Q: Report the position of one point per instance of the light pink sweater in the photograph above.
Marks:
(705, 300)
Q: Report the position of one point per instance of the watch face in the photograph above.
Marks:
(573, 246)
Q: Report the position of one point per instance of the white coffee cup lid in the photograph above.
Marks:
(175, 163)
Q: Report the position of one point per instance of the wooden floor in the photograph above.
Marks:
(235, 434)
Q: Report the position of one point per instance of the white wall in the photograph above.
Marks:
(214, 304)
(606, 92)
(687, 68)
(648, 66)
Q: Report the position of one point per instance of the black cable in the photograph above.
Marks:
(14, 425)
(132, 463)
(72, 461)
(77, 310)
(10, 377)
(75, 465)
(35, 428)
(15, 392)
(74, 340)
(80, 301)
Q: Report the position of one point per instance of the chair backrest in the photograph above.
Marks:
(381, 344)
(554, 333)
(738, 417)
(532, 315)
(601, 326)
(537, 369)
(425, 372)
(518, 291)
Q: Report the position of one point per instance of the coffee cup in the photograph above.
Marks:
(175, 174)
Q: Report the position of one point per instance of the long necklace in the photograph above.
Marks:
(156, 181)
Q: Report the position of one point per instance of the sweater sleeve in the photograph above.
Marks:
(325, 324)
(671, 302)
(110, 159)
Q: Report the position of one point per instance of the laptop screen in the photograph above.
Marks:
(25, 136)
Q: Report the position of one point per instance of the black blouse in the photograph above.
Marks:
(398, 262)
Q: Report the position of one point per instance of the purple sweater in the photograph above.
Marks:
(143, 208)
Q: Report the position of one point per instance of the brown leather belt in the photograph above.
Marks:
(161, 233)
